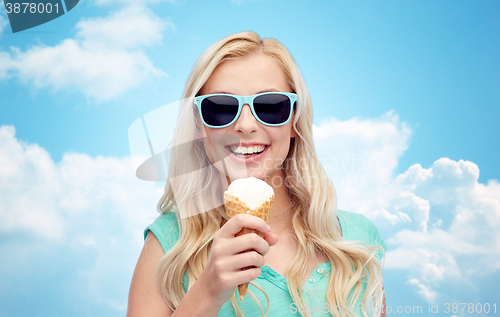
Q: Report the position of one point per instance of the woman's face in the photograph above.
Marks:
(246, 76)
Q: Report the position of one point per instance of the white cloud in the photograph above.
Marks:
(28, 174)
(86, 205)
(103, 62)
(98, 74)
(45, 198)
(424, 290)
(360, 155)
(413, 205)
(467, 212)
(128, 28)
(391, 218)
(440, 224)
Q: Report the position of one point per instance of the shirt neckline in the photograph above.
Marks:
(280, 281)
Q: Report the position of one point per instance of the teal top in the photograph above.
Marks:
(355, 227)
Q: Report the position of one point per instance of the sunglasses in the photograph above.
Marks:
(269, 108)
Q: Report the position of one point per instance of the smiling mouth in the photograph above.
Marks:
(246, 151)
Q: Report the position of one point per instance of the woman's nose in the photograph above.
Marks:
(246, 122)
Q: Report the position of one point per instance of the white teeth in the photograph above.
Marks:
(242, 150)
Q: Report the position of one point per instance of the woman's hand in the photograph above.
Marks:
(229, 254)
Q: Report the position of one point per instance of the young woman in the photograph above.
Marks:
(248, 101)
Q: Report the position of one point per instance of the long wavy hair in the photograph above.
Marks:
(312, 196)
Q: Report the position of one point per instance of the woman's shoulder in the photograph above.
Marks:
(357, 227)
(166, 230)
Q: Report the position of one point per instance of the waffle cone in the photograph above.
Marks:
(235, 206)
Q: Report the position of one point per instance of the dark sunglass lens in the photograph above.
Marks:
(219, 110)
(272, 108)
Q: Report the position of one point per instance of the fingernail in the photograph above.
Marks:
(268, 228)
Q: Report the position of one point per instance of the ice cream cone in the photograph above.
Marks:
(235, 206)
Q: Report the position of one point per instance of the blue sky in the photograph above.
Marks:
(409, 85)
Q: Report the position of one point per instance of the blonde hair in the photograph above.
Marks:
(313, 199)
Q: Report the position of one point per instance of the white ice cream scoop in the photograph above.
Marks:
(252, 191)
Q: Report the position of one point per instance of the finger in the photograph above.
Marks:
(238, 222)
(245, 276)
(240, 261)
(247, 260)
(251, 241)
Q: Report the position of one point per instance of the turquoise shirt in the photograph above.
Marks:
(355, 227)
